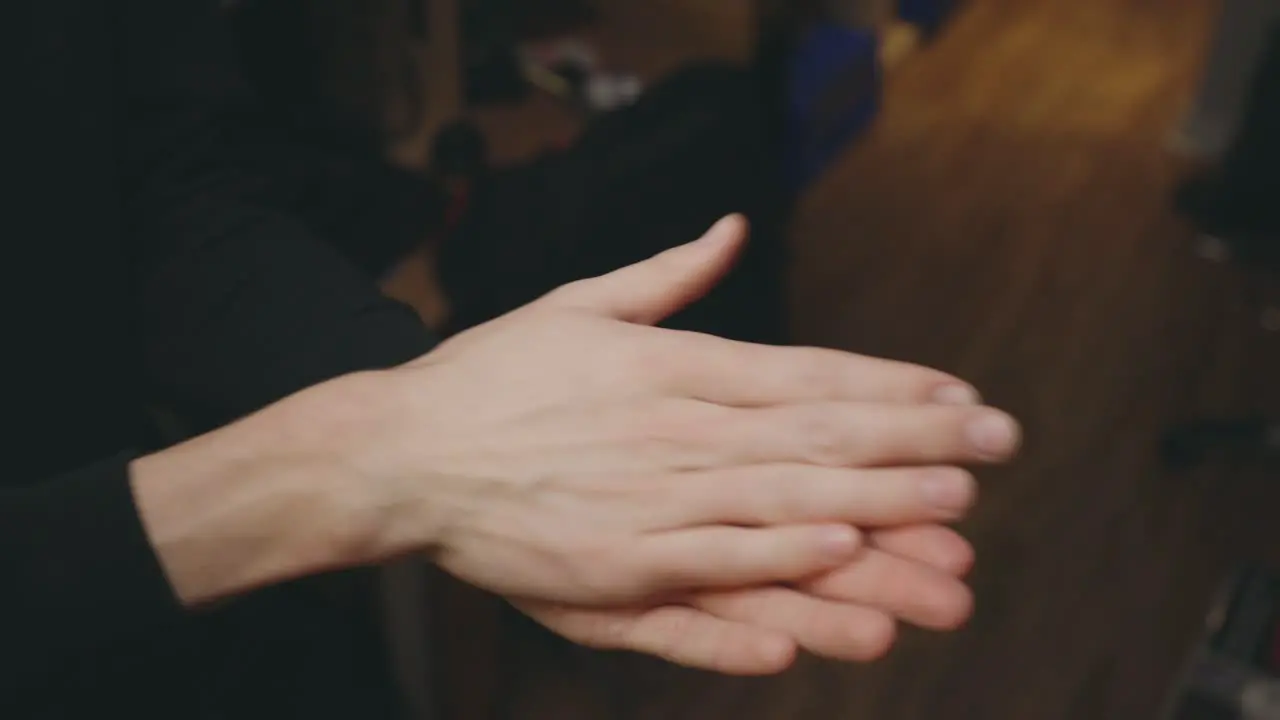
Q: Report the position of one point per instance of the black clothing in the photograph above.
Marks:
(144, 264)
(696, 146)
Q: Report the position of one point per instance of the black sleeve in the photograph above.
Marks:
(77, 546)
(241, 304)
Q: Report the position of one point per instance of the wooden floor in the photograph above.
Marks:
(1008, 220)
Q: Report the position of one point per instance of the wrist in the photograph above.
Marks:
(276, 496)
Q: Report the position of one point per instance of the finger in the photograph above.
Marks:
(869, 435)
(839, 631)
(905, 589)
(743, 374)
(938, 547)
(790, 494)
(719, 556)
(649, 291)
(682, 635)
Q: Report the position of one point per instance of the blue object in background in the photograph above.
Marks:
(928, 15)
(835, 87)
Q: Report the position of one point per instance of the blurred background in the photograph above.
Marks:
(1068, 202)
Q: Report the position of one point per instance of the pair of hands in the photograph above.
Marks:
(717, 504)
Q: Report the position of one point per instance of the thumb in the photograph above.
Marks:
(652, 290)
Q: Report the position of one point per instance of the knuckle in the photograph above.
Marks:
(907, 372)
(600, 573)
(816, 373)
(762, 495)
(957, 480)
(661, 577)
(943, 434)
(823, 436)
(598, 631)
(670, 630)
(918, 382)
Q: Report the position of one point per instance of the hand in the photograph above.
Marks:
(911, 574)
(847, 614)
(570, 455)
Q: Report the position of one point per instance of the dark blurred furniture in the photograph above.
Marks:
(1236, 209)
(1234, 673)
(1214, 115)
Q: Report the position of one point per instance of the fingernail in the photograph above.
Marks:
(840, 541)
(956, 394)
(949, 490)
(994, 434)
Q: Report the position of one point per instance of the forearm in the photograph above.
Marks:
(122, 549)
(268, 499)
(221, 527)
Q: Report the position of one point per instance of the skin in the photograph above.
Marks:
(717, 504)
